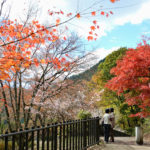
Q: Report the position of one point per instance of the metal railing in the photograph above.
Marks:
(70, 135)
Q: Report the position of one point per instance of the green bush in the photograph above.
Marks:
(146, 125)
(84, 114)
(131, 131)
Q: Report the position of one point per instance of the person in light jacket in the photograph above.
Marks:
(106, 125)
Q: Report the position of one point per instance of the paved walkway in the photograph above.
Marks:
(123, 143)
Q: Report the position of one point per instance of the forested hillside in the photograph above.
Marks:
(87, 75)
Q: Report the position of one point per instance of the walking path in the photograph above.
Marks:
(123, 143)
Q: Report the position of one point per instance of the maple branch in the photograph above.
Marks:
(2, 4)
(33, 33)
(110, 8)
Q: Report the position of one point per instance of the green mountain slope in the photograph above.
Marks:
(86, 75)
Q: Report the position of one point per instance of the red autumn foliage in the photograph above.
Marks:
(113, 1)
(93, 28)
(90, 38)
(93, 13)
(94, 22)
(102, 12)
(132, 76)
(78, 15)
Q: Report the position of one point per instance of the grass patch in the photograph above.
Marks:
(2, 145)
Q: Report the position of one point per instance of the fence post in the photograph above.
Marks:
(97, 130)
(38, 138)
(67, 134)
(73, 135)
(84, 135)
(47, 136)
(13, 141)
(6, 141)
(76, 135)
(32, 143)
(79, 133)
(52, 141)
(26, 144)
(43, 138)
(21, 140)
(70, 140)
(63, 134)
(60, 134)
(55, 137)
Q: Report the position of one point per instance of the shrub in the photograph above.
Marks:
(131, 131)
(84, 114)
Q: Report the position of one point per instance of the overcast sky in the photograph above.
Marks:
(130, 21)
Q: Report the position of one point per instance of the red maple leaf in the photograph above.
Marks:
(93, 28)
(102, 13)
(113, 1)
(95, 22)
(78, 15)
(93, 13)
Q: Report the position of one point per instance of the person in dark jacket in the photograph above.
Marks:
(112, 120)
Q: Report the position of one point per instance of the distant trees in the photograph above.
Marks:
(63, 106)
(103, 75)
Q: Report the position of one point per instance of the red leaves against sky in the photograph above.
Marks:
(113, 1)
(93, 13)
(92, 33)
(78, 15)
(18, 54)
(94, 22)
(133, 73)
(102, 13)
